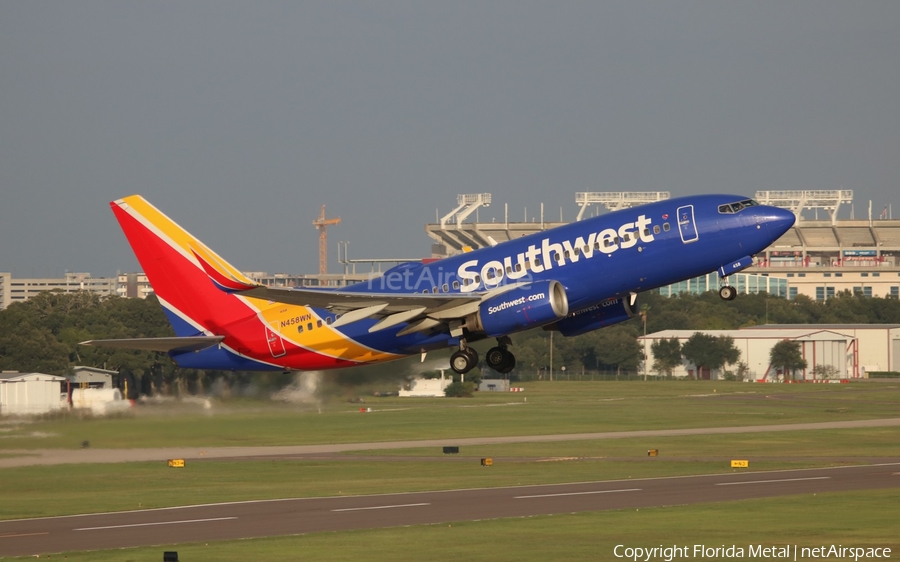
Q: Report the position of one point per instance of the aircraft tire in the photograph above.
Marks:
(500, 360)
(510, 365)
(496, 358)
(728, 293)
(462, 362)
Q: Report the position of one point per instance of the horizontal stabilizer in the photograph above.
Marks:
(190, 343)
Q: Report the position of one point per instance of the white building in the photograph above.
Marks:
(427, 387)
(14, 289)
(877, 345)
(30, 393)
(824, 350)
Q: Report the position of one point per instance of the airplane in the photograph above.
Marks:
(573, 279)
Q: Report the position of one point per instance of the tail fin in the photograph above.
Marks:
(174, 263)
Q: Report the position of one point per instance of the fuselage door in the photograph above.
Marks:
(274, 341)
(686, 226)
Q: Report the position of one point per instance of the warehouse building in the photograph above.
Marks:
(30, 393)
(831, 351)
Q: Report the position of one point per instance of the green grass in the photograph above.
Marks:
(858, 519)
(47, 490)
(551, 408)
(855, 518)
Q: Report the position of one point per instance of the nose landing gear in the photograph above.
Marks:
(727, 292)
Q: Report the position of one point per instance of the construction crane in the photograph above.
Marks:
(321, 224)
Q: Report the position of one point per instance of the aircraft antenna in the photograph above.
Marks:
(321, 224)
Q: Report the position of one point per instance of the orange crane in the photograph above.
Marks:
(321, 224)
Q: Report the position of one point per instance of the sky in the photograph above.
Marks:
(240, 120)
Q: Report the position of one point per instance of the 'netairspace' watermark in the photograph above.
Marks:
(761, 551)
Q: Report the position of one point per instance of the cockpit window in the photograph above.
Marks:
(731, 208)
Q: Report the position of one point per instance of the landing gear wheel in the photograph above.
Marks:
(727, 293)
(500, 359)
(511, 365)
(463, 361)
(496, 358)
(473, 355)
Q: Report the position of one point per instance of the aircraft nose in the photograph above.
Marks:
(778, 221)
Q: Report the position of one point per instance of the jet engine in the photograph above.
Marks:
(521, 308)
(608, 312)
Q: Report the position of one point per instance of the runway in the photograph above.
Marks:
(291, 516)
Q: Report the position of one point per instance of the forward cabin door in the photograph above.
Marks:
(686, 226)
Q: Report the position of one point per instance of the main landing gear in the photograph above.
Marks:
(464, 360)
(497, 358)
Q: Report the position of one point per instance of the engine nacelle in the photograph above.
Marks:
(608, 312)
(520, 309)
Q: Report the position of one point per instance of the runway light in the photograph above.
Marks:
(652, 452)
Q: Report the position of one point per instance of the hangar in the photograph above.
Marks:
(30, 393)
(841, 351)
(878, 345)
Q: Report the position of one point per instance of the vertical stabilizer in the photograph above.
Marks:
(168, 255)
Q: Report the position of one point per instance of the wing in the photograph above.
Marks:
(422, 311)
(192, 343)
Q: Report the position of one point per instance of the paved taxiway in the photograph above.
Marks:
(30, 457)
(294, 516)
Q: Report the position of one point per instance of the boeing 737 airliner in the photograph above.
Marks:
(574, 279)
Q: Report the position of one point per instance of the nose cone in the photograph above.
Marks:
(777, 221)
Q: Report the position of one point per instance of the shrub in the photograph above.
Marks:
(460, 389)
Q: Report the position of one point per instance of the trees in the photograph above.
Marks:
(710, 352)
(786, 354)
(667, 355)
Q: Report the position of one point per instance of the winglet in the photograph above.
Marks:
(226, 279)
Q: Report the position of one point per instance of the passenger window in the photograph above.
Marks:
(445, 287)
(519, 266)
(646, 232)
(318, 323)
(655, 229)
(309, 326)
(433, 290)
(329, 320)
(456, 284)
(300, 329)
(666, 226)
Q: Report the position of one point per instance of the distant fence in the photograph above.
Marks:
(883, 375)
(586, 376)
